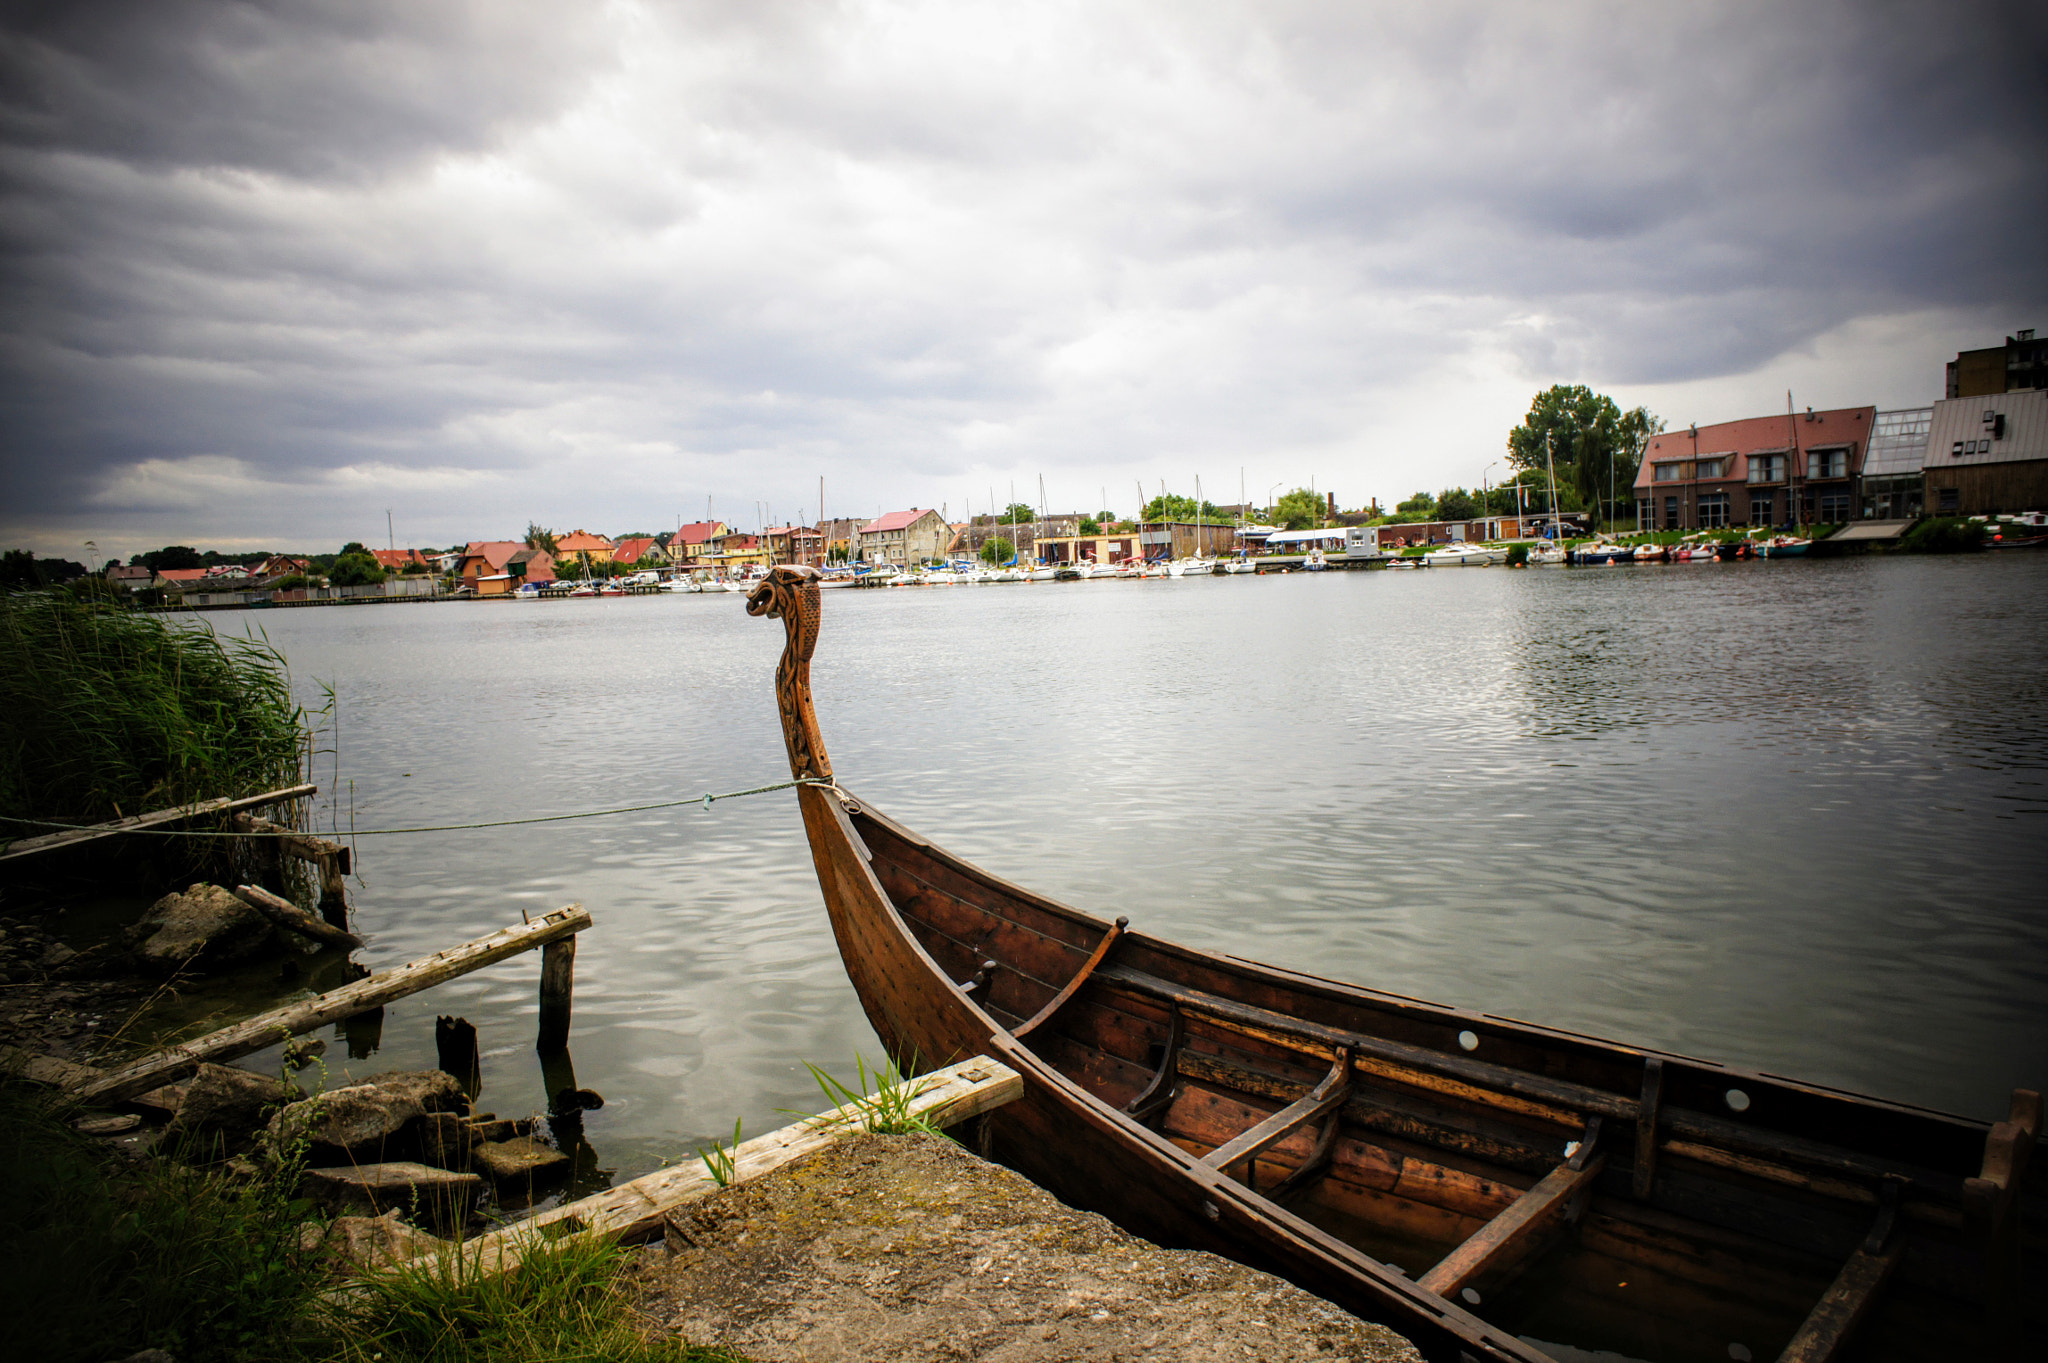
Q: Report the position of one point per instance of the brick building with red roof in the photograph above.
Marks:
(1767, 470)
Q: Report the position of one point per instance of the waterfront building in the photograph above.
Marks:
(1894, 472)
(1188, 539)
(735, 549)
(2021, 364)
(494, 567)
(1478, 529)
(394, 560)
(1769, 470)
(692, 543)
(1988, 454)
(581, 544)
(633, 550)
(905, 538)
(1077, 549)
(794, 544)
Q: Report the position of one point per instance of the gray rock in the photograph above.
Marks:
(206, 927)
(439, 1197)
(360, 1242)
(360, 1121)
(446, 1140)
(519, 1159)
(229, 1105)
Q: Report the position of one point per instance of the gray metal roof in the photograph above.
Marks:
(1960, 433)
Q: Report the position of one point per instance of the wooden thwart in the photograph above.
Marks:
(1854, 1292)
(1325, 1098)
(267, 1029)
(28, 847)
(1516, 1231)
(634, 1211)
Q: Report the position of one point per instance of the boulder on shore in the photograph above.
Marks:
(362, 1242)
(360, 1121)
(204, 927)
(226, 1104)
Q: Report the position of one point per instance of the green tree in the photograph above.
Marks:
(1090, 526)
(172, 556)
(1016, 513)
(1456, 504)
(540, 537)
(1173, 507)
(1420, 507)
(1594, 444)
(355, 570)
(1298, 510)
(997, 551)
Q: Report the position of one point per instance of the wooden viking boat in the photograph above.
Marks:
(1477, 1183)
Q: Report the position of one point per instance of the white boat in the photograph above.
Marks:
(1240, 565)
(1545, 551)
(1316, 562)
(1194, 567)
(1464, 556)
(1044, 572)
(1157, 568)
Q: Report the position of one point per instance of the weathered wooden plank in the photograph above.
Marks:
(304, 846)
(292, 918)
(1072, 986)
(28, 847)
(46, 1069)
(634, 1211)
(267, 1029)
(1647, 1109)
(1515, 1232)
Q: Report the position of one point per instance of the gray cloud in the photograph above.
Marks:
(265, 264)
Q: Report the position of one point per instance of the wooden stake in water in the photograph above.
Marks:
(557, 984)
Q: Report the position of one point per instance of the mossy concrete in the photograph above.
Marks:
(909, 1247)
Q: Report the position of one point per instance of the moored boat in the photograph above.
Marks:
(1471, 1181)
(1465, 556)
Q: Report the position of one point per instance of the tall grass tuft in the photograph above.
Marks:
(106, 713)
(562, 1304)
(879, 1103)
(99, 1259)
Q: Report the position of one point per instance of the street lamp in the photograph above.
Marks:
(1269, 498)
(1485, 494)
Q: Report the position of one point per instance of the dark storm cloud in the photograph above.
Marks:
(512, 256)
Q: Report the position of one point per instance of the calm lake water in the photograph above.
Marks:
(1789, 816)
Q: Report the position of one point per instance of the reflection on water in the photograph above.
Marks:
(1782, 815)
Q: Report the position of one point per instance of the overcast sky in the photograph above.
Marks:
(273, 269)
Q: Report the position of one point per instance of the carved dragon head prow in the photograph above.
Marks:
(791, 595)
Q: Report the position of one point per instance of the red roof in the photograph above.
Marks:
(895, 520)
(1762, 435)
(698, 532)
(397, 558)
(580, 541)
(494, 553)
(181, 574)
(633, 550)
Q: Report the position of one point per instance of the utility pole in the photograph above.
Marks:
(390, 540)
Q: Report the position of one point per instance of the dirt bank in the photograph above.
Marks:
(908, 1247)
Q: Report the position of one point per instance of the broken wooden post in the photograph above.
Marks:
(557, 983)
(267, 1029)
(330, 859)
(455, 1050)
(291, 917)
(334, 886)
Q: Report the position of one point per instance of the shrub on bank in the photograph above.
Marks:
(1943, 535)
(106, 713)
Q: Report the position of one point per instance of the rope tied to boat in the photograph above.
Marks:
(705, 800)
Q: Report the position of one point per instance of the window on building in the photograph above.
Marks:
(1956, 450)
(1949, 500)
(1834, 506)
(1646, 513)
(1670, 473)
(1767, 468)
(1761, 507)
(1827, 464)
(1709, 468)
(1671, 514)
(1713, 510)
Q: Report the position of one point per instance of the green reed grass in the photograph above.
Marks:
(106, 713)
(562, 1304)
(880, 1101)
